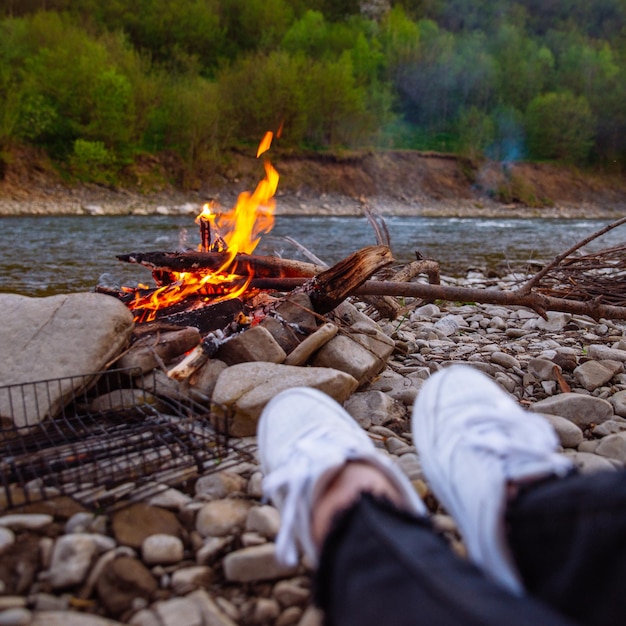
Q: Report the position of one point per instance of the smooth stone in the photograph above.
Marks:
(256, 344)
(58, 336)
(290, 592)
(543, 369)
(178, 611)
(246, 388)
(505, 360)
(15, 617)
(255, 564)
(618, 400)
(204, 379)
(132, 524)
(580, 409)
(187, 579)
(219, 485)
(264, 520)
(211, 613)
(211, 549)
(570, 435)
(425, 311)
(361, 356)
(26, 521)
(220, 518)
(71, 559)
(122, 581)
(610, 427)
(70, 618)
(162, 550)
(588, 463)
(556, 321)
(601, 352)
(594, 374)
(170, 498)
(373, 408)
(7, 538)
(613, 447)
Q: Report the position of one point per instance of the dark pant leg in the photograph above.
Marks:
(381, 566)
(568, 538)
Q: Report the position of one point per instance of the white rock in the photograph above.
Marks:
(222, 517)
(265, 520)
(162, 549)
(7, 538)
(255, 564)
(71, 559)
(32, 521)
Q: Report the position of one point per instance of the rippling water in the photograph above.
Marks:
(49, 255)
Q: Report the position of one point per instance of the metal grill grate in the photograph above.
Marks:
(108, 444)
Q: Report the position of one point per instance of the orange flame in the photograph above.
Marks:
(237, 230)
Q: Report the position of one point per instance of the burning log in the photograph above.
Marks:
(241, 264)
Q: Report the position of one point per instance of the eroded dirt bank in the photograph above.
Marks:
(392, 182)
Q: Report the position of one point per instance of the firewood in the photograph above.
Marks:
(241, 264)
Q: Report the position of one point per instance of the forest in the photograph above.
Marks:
(97, 85)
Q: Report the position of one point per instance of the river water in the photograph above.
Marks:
(49, 255)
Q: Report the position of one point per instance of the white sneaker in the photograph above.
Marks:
(472, 439)
(304, 438)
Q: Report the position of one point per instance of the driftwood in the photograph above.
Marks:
(241, 264)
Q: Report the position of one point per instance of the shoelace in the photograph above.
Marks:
(292, 484)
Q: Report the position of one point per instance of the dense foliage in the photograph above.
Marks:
(97, 83)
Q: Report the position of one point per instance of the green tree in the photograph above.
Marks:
(560, 126)
(337, 112)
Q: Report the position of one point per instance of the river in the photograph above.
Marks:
(42, 256)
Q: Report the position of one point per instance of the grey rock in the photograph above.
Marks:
(246, 389)
(580, 409)
(505, 360)
(602, 352)
(594, 374)
(290, 592)
(255, 564)
(187, 579)
(543, 369)
(15, 617)
(56, 337)
(222, 517)
(178, 611)
(613, 447)
(152, 351)
(610, 427)
(162, 549)
(361, 356)
(26, 521)
(211, 549)
(256, 344)
(618, 400)
(219, 485)
(556, 321)
(71, 559)
(568, 433)
(211, 613)
(7, 539)
(447, 325)
(373, 408)
(70, 618)
(588, 463)
(204, 379)
(264, 520)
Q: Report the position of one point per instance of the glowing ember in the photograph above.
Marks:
(237, 230)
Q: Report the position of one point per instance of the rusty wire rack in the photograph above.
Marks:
(107, 443)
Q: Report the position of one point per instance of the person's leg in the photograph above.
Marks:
(381, 565)
(568, 538)
(382, 562)
(474, 443)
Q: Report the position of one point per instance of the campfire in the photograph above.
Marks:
(223, 289)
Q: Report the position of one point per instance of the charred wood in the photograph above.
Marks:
(241, 264)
